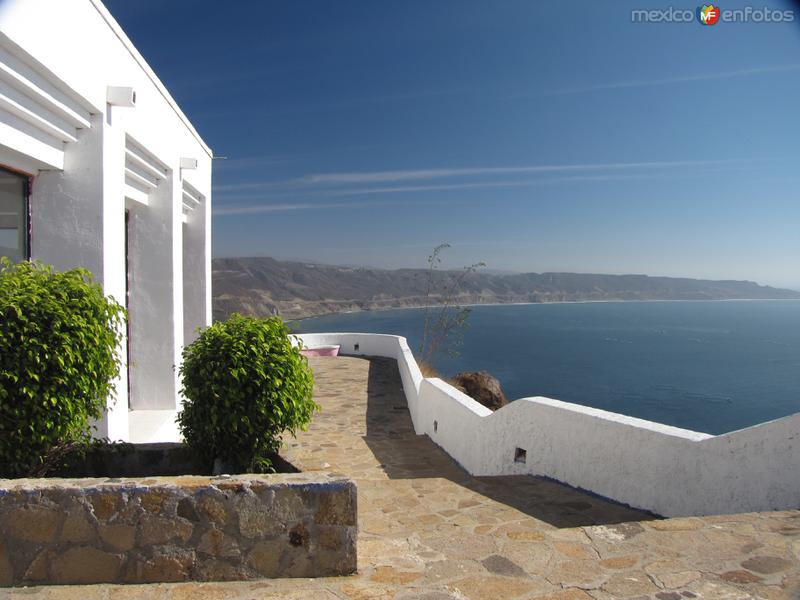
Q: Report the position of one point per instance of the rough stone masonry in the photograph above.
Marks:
(167, 529)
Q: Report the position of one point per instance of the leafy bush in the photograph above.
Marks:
(58, 358)
(245, 384)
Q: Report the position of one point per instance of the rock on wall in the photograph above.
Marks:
(162, 529)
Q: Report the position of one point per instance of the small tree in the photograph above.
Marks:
(59, 336)
(245, 384)
(444, 326)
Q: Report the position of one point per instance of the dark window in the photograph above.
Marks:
(14, 216)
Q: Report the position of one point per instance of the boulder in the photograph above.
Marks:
(482, 387)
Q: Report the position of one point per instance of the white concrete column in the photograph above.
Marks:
(115, 424)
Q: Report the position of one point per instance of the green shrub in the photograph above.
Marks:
(245, 384)
(59, 336)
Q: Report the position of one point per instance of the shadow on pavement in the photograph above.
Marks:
(405, 455)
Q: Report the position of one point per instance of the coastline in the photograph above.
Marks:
(471, 305)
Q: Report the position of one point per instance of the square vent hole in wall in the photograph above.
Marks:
(520, 455)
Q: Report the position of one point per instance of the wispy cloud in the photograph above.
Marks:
(391, 176)
(254, 209)
(373, 177)
(270, 208)
(266, 207)
(308, 193)
(667, 81)
(477, 185)
(399, 189)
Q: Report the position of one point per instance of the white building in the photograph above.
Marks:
(99, 168)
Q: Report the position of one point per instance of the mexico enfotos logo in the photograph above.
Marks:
(712, 14)
(708, 14)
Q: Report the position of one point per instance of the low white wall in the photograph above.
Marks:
(663, 469)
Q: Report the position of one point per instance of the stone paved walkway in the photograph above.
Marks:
(429, 531)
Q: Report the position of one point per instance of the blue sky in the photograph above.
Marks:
(534, 136)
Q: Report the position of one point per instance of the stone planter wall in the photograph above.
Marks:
(62, 531)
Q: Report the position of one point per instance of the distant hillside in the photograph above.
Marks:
(265, 286)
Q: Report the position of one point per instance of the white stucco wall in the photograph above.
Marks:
(663, 469)
(57, 61)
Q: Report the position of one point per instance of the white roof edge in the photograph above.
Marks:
(118, 31)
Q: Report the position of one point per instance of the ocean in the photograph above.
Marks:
(713, 366)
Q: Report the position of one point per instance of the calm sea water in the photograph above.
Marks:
(709, 366)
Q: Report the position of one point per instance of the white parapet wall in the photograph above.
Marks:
(647, 465)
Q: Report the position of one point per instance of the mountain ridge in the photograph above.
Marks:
(265, 286)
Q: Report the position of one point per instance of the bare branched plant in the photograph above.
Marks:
(445, 318)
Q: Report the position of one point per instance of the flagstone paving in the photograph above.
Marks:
(430, 531)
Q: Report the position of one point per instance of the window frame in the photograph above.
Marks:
(26, 207)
